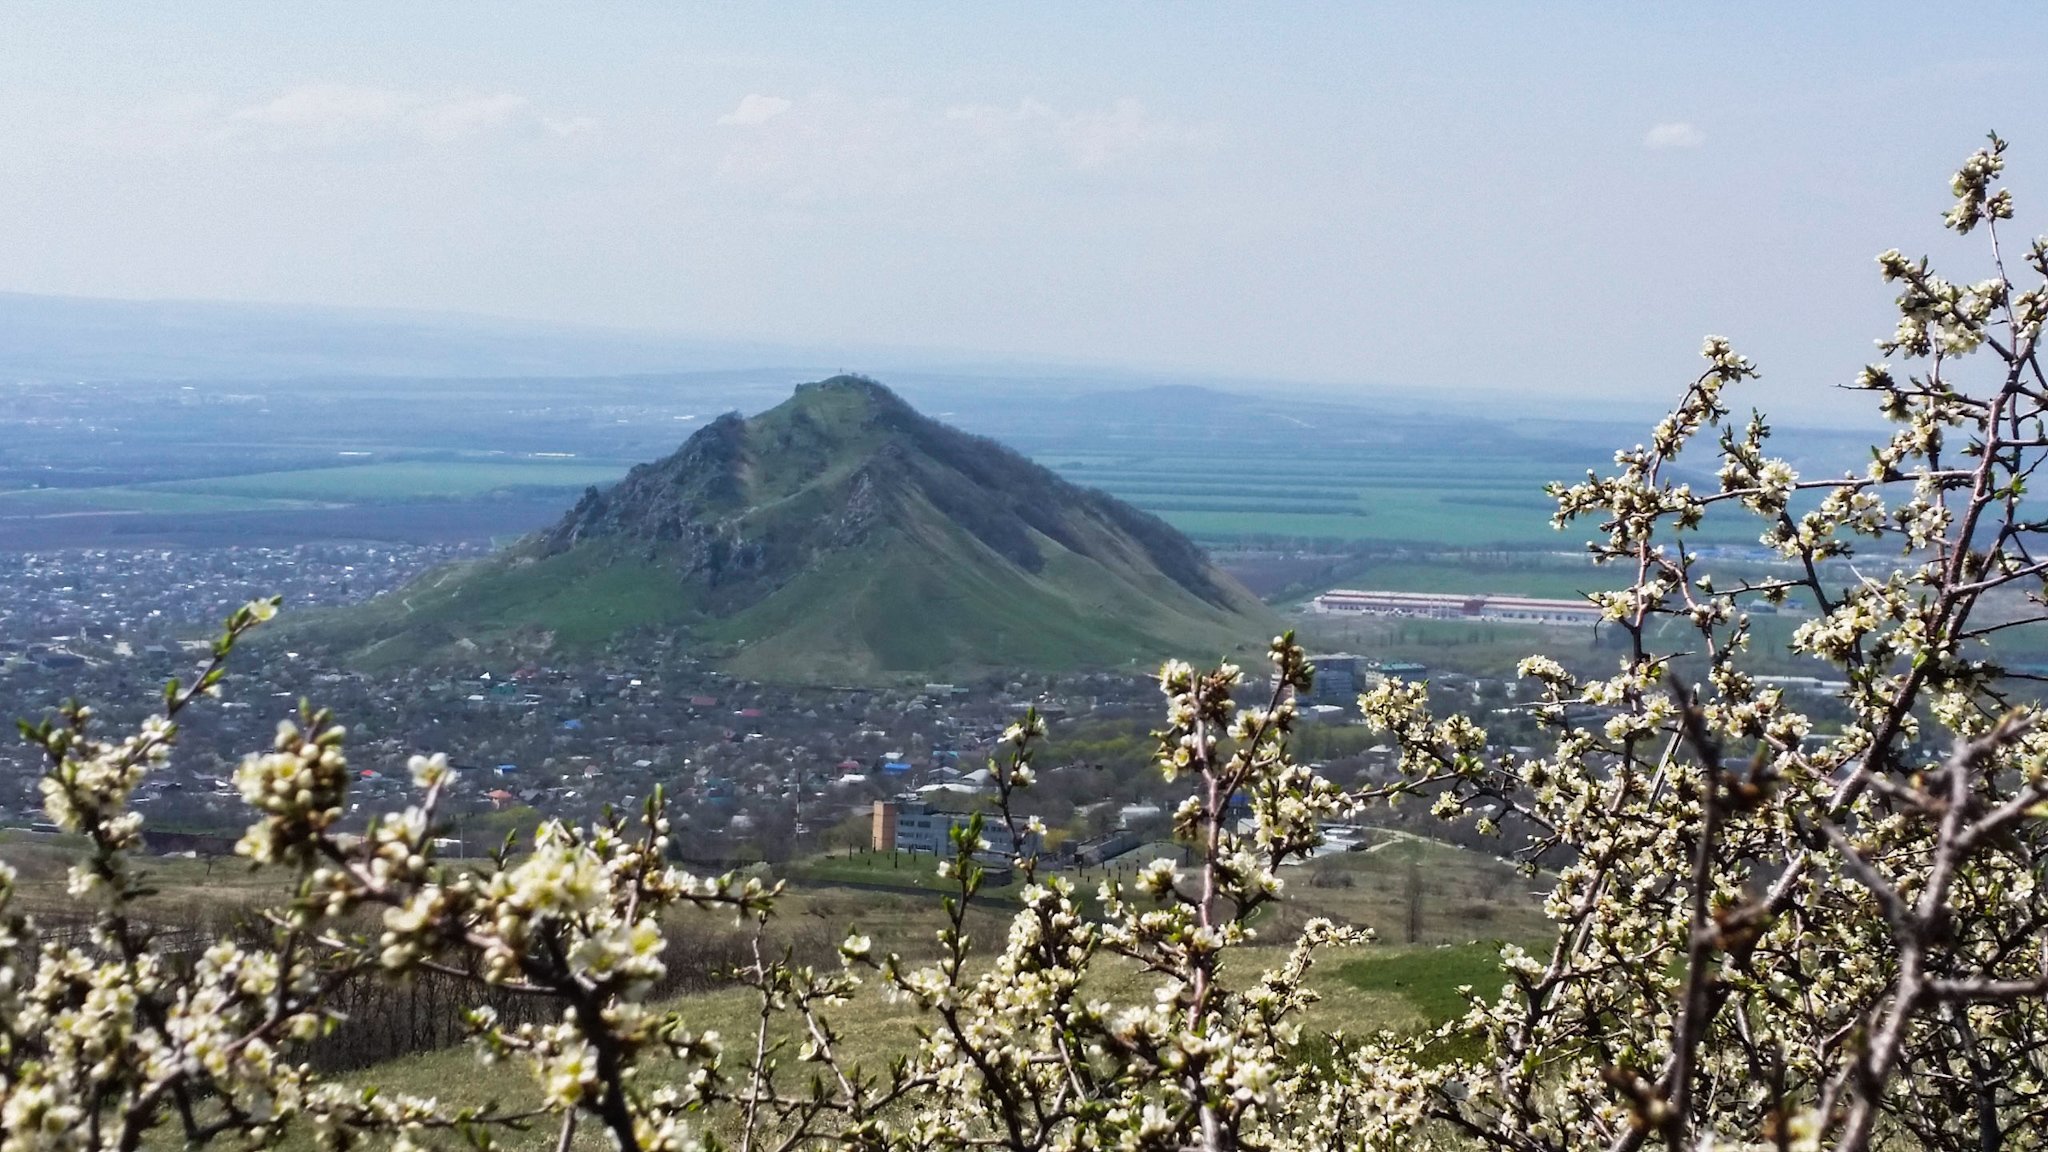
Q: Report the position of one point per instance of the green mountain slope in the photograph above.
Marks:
(838, 537)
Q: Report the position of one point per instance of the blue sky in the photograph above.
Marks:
(1555, 200)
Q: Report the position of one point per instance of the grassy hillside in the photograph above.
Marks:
(840, 537)
(573, 602)
(903, 608)
(933, 597)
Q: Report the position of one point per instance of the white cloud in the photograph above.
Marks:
(568, 125)
(829, 146)
(755, 108)
(453, 119)
(1026, 109)
(1093, 139)
(326, 115)
(1676, 134)
(325, 108)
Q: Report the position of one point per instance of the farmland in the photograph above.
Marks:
(1225, 467)
(1503, 508)
(1388, 491)
(396, 481)
(28, 502)
(1395, 501)
(1562, 577)
(1331, 497)
(403, 480)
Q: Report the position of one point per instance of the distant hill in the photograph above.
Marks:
(67, 337)
(839, 536)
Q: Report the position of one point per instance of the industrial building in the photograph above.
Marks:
(1453, 606)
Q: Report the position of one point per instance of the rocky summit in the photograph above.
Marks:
(839, 536)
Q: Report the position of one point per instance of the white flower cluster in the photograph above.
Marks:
(1775, 929)
(1024, 1056)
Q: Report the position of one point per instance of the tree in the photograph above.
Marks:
(1767, 935)
(1855, 945)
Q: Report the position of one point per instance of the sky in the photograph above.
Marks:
(1554, 201)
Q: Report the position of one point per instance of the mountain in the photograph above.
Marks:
(840, 536)
(71, 337)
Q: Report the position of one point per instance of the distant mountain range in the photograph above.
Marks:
(102, 339)
(60, 338)
(840, 537)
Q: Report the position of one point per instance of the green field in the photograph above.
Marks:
(1414, 517)
(1406, 496)
(1474, 648)
(86, 501)
(907, 871)
(1562, 580)
(1388, 498)
(406, 480)
(1338, 498)
(379, 483)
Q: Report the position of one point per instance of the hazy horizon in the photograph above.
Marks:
(1549, 202)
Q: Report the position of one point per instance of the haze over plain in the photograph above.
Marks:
(1542, 202)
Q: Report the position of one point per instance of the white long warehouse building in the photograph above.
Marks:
(1453, 606)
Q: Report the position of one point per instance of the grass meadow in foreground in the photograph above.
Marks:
(1462, 903)
(875, 1029)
